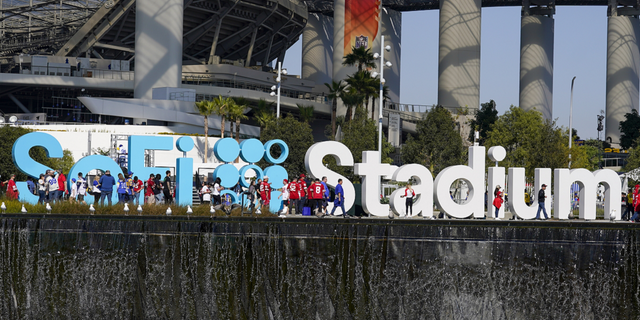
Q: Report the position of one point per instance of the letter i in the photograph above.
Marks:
(184, 173)
(496, 177)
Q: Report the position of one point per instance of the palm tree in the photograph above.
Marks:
(263, 113)
(205, 108)
(336, 89)
(365, 85)
(360, 57)
(236, 113)
(220, 106)
(306, 113)
(351, 98)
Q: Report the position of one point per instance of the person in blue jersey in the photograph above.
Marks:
(339, 201)
(122, 188)
(327, 194)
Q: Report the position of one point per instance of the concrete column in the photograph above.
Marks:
(391, 24)
(536, 64)
(317, 49)
(459, 54)
(158, 61)
(339, 72)
(622, 72)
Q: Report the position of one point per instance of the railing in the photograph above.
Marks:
(416, 108)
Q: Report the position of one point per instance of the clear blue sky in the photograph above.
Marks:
(580, 50)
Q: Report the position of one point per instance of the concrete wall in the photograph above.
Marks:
(536, 64)
(317, 49)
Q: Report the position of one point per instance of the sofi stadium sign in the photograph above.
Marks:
(371, 171)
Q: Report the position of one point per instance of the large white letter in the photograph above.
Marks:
(495, 177)
(423, 187)
(474, 174)
(316, 169)
(371, 170)
(588, 182)
(516, 198)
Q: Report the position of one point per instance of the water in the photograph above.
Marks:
(96, 267)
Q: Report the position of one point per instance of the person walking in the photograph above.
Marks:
(316, 194)
(157, 190)
(206, 194)
(149, 196)
(629, 202)
(636, 202)
(52, 184)
(12, 189)
(497, 202)
(409, 193)
(215, 193)
(284, 194)
(327, 194)
(106, 184)
(122, 188)
(339, 201)
(541, 197)
(302, 198)
(252, 194)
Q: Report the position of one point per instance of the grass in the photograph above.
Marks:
(66, 207)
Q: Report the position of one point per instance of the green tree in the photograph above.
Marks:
(65, 163)
(630, 130)
(361, 57)
(437, 144)
(351, 99)
(263, 113)
(633, 161)
(485, 117)
(236, 112)
(365, 85)
(220, 108)
(530, 141)
(296, 134)
(306, 113)
(9, 136)
(336, 89)
(205, 108)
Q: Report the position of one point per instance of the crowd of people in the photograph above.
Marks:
(299, 195)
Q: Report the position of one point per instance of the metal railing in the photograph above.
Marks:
(416, 108)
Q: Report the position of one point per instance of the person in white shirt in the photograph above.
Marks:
(206, 194)
(81, 186)
(216, 192)
(42, 189)
(52, 183)
(284, 194)
(74, 191)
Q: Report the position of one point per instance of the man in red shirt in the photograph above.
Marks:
(316, 191)
(62, 185)
(294, 194)
(302, 188)
(265, 191)
(149, 195)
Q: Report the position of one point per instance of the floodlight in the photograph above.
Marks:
(278, 79)
(273, 87)
(388, 48)
(1, 120)
(374, 74)
(13, 119)
(376, 55)
(284, 71)
(273, 94)
(388, 64)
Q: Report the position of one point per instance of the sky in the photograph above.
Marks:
(580, 48)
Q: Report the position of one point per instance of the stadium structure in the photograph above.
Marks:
(147, 61)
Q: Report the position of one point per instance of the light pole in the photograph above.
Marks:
(277, 87)
(382, 81)
(571, 120)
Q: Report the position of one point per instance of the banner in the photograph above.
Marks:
(361, 19)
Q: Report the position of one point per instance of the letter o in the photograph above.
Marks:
(251, 150)
(226, 150)
(243, 172)
(228, 175)
(283, 148)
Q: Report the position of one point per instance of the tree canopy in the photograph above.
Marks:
(531, 142)
(9, 136)
(437, 144)
(486, 116)
(296, 134)
(630, 130)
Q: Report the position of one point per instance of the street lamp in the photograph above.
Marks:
(276, 88)
(382, 81)
(571, 120)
